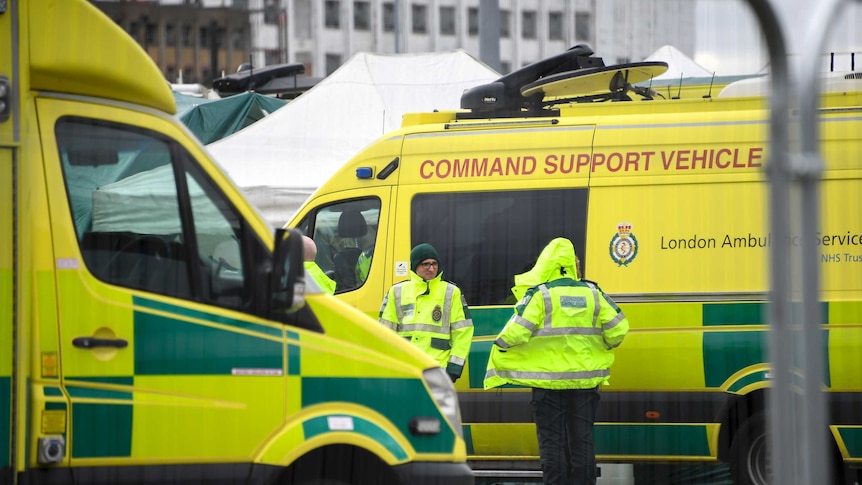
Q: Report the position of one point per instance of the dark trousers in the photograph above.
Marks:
(564, 426)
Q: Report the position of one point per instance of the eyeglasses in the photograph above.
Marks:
(429, 264)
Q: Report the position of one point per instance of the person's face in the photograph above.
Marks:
(428, 269)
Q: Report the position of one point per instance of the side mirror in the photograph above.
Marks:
(287, 280)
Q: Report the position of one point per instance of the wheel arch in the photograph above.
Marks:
(733, 414)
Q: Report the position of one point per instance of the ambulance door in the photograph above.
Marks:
(8, 133)
(489, 200)
(7, 322)
(350, 229)
(163, 356)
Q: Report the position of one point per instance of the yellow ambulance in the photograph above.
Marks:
(152, 328)
(666, 203)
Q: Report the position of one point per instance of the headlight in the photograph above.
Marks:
(444, 394)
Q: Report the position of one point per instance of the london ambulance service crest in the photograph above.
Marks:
(437, 314)
(624, 245)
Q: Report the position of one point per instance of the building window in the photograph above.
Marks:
(187, 36)
(302, 19)
(361, 15)
(333, 62)
(205, 36)
(419, 15)
(583, 24)
(270, 12)
(555, 26)
(332, 14)
(170, 34)
(528, 24)
(271, 56)
(473, 21)
(505, 24)
(447, 20)
(389, 17)
(623, 60)
(150, 33)
(134, 27)
(304, 58)
(505, 67)
(238, 39)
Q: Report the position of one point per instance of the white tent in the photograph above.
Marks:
(280, 160)
(679, 65)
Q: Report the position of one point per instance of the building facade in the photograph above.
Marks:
(204, 38)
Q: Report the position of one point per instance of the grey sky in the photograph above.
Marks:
(729, 36)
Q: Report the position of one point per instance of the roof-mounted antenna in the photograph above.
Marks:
(709, 94)
(679, 90)
(503, 96)
(250, 73)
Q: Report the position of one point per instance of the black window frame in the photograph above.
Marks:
(362, 15)
(332, 14)
(529, 24)
(256, 257)
(448, 20)
(418, 18)
(485, 238)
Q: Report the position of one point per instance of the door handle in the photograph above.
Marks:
(93, 342)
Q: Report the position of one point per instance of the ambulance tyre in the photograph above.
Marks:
(749, 455)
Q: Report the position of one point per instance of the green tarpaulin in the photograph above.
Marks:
(216, 119)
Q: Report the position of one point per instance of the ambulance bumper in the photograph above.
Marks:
(430, 473)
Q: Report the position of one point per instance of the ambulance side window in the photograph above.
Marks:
(485, 238)
(138, 226)
(345, 234)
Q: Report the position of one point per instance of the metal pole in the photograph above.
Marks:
(780, 409)
(489, 33)
(396, 12)
(808, 169)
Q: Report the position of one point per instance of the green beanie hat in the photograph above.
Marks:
(421, 253)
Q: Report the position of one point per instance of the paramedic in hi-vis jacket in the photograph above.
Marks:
(312, 270)
(560, 342)
(429, 312)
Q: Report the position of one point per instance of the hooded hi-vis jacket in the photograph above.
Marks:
(434, 316)
(563, 330)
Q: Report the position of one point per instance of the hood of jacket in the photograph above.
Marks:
(558, 255)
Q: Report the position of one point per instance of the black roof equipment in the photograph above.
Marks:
(573, 76)
(249, 79)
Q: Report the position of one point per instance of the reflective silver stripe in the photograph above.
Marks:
(383, 305)
(549, 376)
(387, 323)
(598, 306)
(396, 292)
(502, 343)
(447, 306)
(456, 360)
(613, 323)
(462, 324)
(549, 306)
(422, 327)
(544, 332)
(523, 322)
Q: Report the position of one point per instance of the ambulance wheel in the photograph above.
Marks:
(749, 455)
